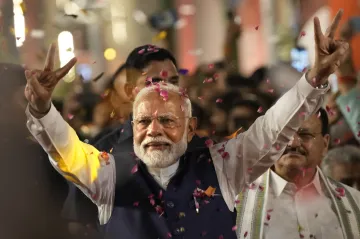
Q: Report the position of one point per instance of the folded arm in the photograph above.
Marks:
(243, 159)
(78, 162)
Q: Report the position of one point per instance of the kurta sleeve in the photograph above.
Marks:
(243, 159)
(82, 164)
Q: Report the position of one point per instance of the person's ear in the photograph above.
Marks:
(191, 128)
(326, 140)
(130, 91)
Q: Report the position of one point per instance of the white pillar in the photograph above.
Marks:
(267, 11)
(210, 29)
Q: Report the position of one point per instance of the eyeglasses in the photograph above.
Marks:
(166, 121)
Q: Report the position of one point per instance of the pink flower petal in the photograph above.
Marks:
(302, 33)
(257, 28)
(160, 194)
(211, 66)
(152, 201)
(245, 234)
(234, 228)
(268, 217)
(347, 108)
(337, 141)
(201, 97)
(209, 143)
(135, 204)
(237, 201)
(70, 116)
(270, 91)
(249, 170)
(260, 110)
(225, 155)
(221, 237)
(318, 115)
(198, 182)
(134, 169)
(169, 235)
(182, 108)
(219, 100)
(141, 51)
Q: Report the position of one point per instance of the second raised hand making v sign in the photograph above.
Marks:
(329, 53)
(41, 83)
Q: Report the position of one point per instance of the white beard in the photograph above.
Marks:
(161, 158)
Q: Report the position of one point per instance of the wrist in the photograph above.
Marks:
(315, 79)
(38, 114)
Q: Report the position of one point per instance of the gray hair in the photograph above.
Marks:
(170, 88)
(344, 154)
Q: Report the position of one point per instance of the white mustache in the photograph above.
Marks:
(161, 140)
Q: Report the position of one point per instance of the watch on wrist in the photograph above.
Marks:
(323, 86)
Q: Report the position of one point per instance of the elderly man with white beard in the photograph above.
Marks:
(162, 191)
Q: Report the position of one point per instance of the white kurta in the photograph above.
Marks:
(304, 213)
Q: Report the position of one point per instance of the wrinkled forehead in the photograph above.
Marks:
(151, 104)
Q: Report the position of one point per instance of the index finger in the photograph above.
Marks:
(50, 58)
(330, 32)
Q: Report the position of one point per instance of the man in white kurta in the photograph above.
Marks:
(294, 199)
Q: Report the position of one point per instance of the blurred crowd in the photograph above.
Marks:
(224, 101)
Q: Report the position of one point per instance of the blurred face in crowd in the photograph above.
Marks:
(241, 117)
(161, 129)
(219, 118)
(157, 71)
(305, 151)
(333, 112)
(347, 173)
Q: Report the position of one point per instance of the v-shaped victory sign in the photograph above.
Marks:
(329, 53)
(41, 84)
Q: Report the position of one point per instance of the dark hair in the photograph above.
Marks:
(141, 56)
(324, 121)
(252, 104)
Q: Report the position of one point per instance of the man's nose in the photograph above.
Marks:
(154, 129)
(295, 141)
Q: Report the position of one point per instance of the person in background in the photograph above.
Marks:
(294, 199)
(348, 99)
(243, 114)
(340, 132)
(343, 165)
(32, 193)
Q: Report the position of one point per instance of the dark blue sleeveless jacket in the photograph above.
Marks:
(143, 210)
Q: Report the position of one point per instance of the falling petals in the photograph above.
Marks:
(219, 100)
(164, 94)
(341, 192)
(160, 194)
(249, 170)
(245, 234)
(318, 115)
(336, 141)
(225, 155)
(198, 182)
(270, 91)
(221, 237)
(169, 235)
(201, 97)
(260, 110)
(203, 234)
(141, 51)
(70, 116)
(152, 201)
(211, 66)
(208, 80)
(268, 217)
(261, 188)
(303, 33)
(347, 108)
(164, 74)
(234, 228)
(134, 169)
(301, 235)
(135, 204)
(257, 28)
(209, 143)
(237, 201)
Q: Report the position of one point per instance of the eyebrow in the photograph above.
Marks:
(159, 115)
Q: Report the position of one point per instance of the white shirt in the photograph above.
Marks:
(163, 175)
(256, 149)
(305, 213)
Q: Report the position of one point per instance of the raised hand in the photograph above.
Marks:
(41, 84)
(329, 53)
